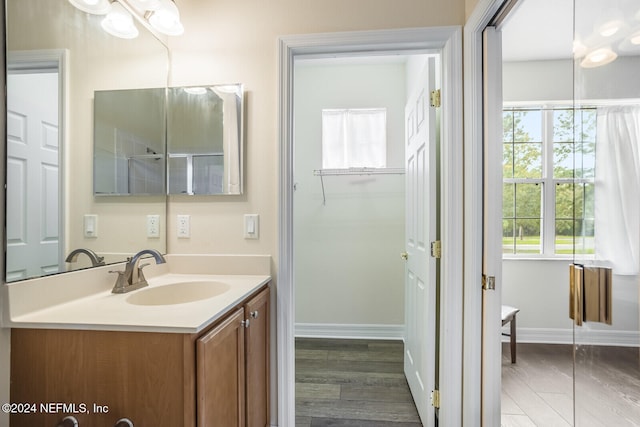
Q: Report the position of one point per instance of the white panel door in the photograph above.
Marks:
(33, 219)
(420, 272)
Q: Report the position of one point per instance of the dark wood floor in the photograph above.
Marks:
(360, 383)
(355, 383)
(538, 390)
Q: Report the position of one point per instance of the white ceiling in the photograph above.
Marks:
(543, 29)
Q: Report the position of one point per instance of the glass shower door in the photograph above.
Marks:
(606, 212)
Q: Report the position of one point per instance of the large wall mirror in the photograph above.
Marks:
(203, 144)
(58, 57)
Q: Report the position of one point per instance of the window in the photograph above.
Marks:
(355, 138)
(548, 170)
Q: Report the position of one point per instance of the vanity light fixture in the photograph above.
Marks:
(119, 22)
(579, 49)
(160, 15)
(166, 18)
(145, 4)
(96, 7)
(635, 38)
(598, 58)
(609, 28)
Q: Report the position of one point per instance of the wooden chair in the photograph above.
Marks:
(509, 316)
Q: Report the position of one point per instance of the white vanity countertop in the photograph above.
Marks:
(103, 310)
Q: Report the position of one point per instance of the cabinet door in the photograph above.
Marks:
(221, 374)
(257, 341)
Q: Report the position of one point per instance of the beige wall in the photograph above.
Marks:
(230, 41)
(469, 5)
(236, 41)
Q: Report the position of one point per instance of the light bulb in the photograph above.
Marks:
(166, 19)
(119, 22)
(598, 58)
(609, 28)
(96, 7)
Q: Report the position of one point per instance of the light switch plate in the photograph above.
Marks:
(90, 225)
(251, 226)
(184, 226)
(153, 225)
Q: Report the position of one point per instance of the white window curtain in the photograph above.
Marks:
(617, 189)
(354, 138)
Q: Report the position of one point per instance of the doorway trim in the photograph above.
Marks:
(448, 41)
(481, 406)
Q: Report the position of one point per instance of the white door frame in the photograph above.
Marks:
(479, 407)
(448, 41)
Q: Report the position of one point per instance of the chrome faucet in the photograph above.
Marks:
(95, 259)
(132, 277)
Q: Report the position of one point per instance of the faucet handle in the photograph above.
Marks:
(141, 278)
(121, 281)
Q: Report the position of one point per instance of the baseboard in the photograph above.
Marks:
(583, 336)
(330, 330)
(524, 335)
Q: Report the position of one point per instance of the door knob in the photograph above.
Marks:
(404, 256)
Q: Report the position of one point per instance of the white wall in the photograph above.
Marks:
(348, 269)
(553, 81)
(537, 81)
(540, 288)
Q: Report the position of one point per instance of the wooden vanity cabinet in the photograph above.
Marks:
(258, 364)
(233, 368)
(220, 384)
(217, 378)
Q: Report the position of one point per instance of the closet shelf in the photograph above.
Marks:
(354, 171)
(359, 171)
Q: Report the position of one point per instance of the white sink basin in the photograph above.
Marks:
(178, 293)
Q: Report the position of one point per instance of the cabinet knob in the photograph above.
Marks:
(124, 422)
(69, 421)
(254, 314)
(245, 323)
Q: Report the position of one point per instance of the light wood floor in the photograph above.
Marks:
(538, 390)
(355, 383)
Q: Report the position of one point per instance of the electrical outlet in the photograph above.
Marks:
(153, 225)
(184, 226)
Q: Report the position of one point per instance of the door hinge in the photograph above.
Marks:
(435, 398)
(488, 283)
(436, 249)
(435, 98)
